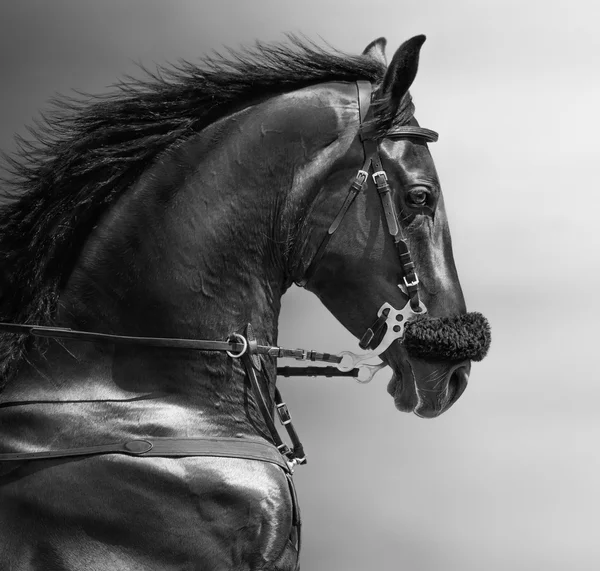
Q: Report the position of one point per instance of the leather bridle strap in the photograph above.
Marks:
(409, 275)
(369, 138)
(357, 185)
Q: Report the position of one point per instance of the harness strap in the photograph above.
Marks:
(315, 372)
(218, 446)
(165, 342)
(299, 456)
(263, 407)
(230, 346)
(296, 454)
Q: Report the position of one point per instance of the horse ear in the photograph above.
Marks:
(376, 50)
(402, 71)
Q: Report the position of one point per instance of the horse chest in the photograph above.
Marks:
(157, 513)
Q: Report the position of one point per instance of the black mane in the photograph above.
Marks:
(91, 149)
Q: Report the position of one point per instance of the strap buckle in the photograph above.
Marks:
(301, 354)
(412, 283)
(361, 177)
(357, 185)
(284, 413)
(383, 176)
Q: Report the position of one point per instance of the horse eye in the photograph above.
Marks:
(417, 197)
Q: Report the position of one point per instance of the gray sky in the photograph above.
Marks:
(507, 479)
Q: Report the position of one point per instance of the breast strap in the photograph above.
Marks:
(214, 446)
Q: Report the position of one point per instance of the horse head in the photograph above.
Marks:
(365, 269)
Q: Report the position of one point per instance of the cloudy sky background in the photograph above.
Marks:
(508, 478)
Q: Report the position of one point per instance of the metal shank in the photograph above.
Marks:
(395, 323)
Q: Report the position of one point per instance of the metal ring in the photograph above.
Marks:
(244, 342)
(372, 370)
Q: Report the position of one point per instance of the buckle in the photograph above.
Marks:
(361, 177)
(414, 283)
(284, 413)
(380, 174)
(359, 181)
(301, 354)
(284, 449)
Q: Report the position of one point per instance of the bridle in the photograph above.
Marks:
(394, 319)
(246, 347)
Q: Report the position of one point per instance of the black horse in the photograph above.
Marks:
(183, 207)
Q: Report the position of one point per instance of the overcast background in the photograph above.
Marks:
(508, 478)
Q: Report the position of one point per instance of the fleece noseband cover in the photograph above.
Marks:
(466, 336)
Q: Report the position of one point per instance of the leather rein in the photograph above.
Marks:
(251, 353)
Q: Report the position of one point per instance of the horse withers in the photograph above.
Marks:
(181, 208)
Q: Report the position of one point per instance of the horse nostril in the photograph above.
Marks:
(458, 379)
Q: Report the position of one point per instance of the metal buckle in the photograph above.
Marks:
(284, 449)
(361, 177)
(411, 284)
(244, 349)
(378, 174)
(284, 413)
(303, 354)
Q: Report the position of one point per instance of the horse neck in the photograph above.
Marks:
(196, 249)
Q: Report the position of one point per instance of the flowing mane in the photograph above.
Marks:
(90, 149)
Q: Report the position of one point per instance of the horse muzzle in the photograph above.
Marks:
(434, 371)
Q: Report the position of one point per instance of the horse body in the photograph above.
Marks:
(192, 292)
(208, 239)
